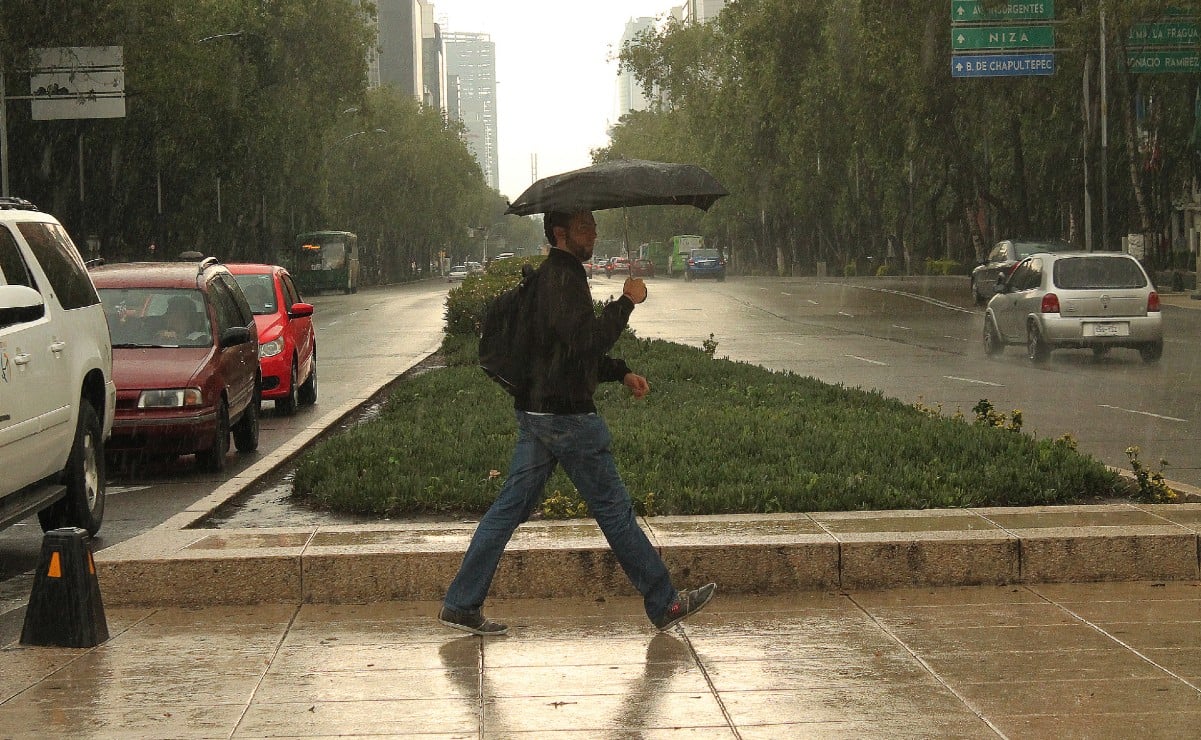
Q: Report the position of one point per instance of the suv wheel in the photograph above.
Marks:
(308, 390)
(83, 505)
(246, 431)
(213, 459)
(286, 406)
(1036, 348)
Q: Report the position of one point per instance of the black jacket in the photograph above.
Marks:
(569, 343)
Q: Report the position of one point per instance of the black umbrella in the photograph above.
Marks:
(623, 182)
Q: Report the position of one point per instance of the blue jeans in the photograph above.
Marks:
(581, 444)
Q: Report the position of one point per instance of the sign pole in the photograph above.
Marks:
(3, 137)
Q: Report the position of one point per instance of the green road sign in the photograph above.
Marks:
(968, 11)
(1163, 62)
(1173, 33)
(1002, 37)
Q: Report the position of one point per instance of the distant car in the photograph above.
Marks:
(617, 265)
(642, 268)
(458, 272)
(474, 268)
(503, 256)
(287, 338)
(1000, 262)
(1083, 300)
(185, 359)
(590, 267)
(705, 263)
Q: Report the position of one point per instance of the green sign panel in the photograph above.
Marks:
(970, 11)
(1174, 33)
(1002, 37)
(1162, 62)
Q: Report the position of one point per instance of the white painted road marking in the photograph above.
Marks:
(1143, 413)
(973, 381)
(864, 359)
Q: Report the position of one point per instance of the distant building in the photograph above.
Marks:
(400, 46)
(629, 93)
(433, 60)
(471, 96)
(698, 11)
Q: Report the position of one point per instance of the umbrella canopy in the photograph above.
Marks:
(623, 182)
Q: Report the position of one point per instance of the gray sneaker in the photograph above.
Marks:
(474, 622)
(686, 603)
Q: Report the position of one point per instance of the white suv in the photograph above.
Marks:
(57, 395)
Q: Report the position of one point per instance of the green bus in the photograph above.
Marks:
(326, 260)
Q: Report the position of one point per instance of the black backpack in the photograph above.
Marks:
(505, 334)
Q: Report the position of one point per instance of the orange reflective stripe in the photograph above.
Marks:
(56, 567)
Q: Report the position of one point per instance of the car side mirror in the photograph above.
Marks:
(235, 335)
(300, 310)
(1002, 286)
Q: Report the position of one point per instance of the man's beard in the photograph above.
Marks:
(582, 251)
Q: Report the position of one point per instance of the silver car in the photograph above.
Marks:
(1094, 300)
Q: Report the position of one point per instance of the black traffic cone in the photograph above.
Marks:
(65, 607)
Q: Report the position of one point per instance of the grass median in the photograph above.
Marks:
(713, 437)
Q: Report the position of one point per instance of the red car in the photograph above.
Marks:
(642, 268)
(185, 359)
(619, 265)
(287, 339)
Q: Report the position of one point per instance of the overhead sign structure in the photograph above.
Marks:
(1169, 33)
(1152, 61)
(1002, 37)
(78, 82)
(1002, 65)
(971, 11)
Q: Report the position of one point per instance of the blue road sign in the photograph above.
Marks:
(1002, 65)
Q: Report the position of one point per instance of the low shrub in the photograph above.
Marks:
(466, 301)
(944, 267)
(714, 437)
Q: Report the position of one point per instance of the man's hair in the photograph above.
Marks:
(553, 219)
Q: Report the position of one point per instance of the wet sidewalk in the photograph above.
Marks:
(1028, 661)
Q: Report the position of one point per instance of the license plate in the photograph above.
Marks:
(1106, 330)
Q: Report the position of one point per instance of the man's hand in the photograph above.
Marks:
(636, 383)
(634, 289)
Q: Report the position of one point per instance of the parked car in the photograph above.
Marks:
(287, 338)
(642, 268)
(705, 263)
(57, 392)
(1090, 300)
(185, 359)
(1001, 260)
(474, 268)
(458, 272)
(618, 266)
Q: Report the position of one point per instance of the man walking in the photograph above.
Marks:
(557, 424)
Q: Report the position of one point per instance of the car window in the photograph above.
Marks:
(704, 254)
(13, 270)
(156, 317)
(1020, 279)
(999, 254)
(260, 293)
(238, 297)
(291, 294)
(228, 315)
(61, 262)
(1098, 272)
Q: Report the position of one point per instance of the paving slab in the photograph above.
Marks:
(1081, 660)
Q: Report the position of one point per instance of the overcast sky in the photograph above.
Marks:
(544, 45)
